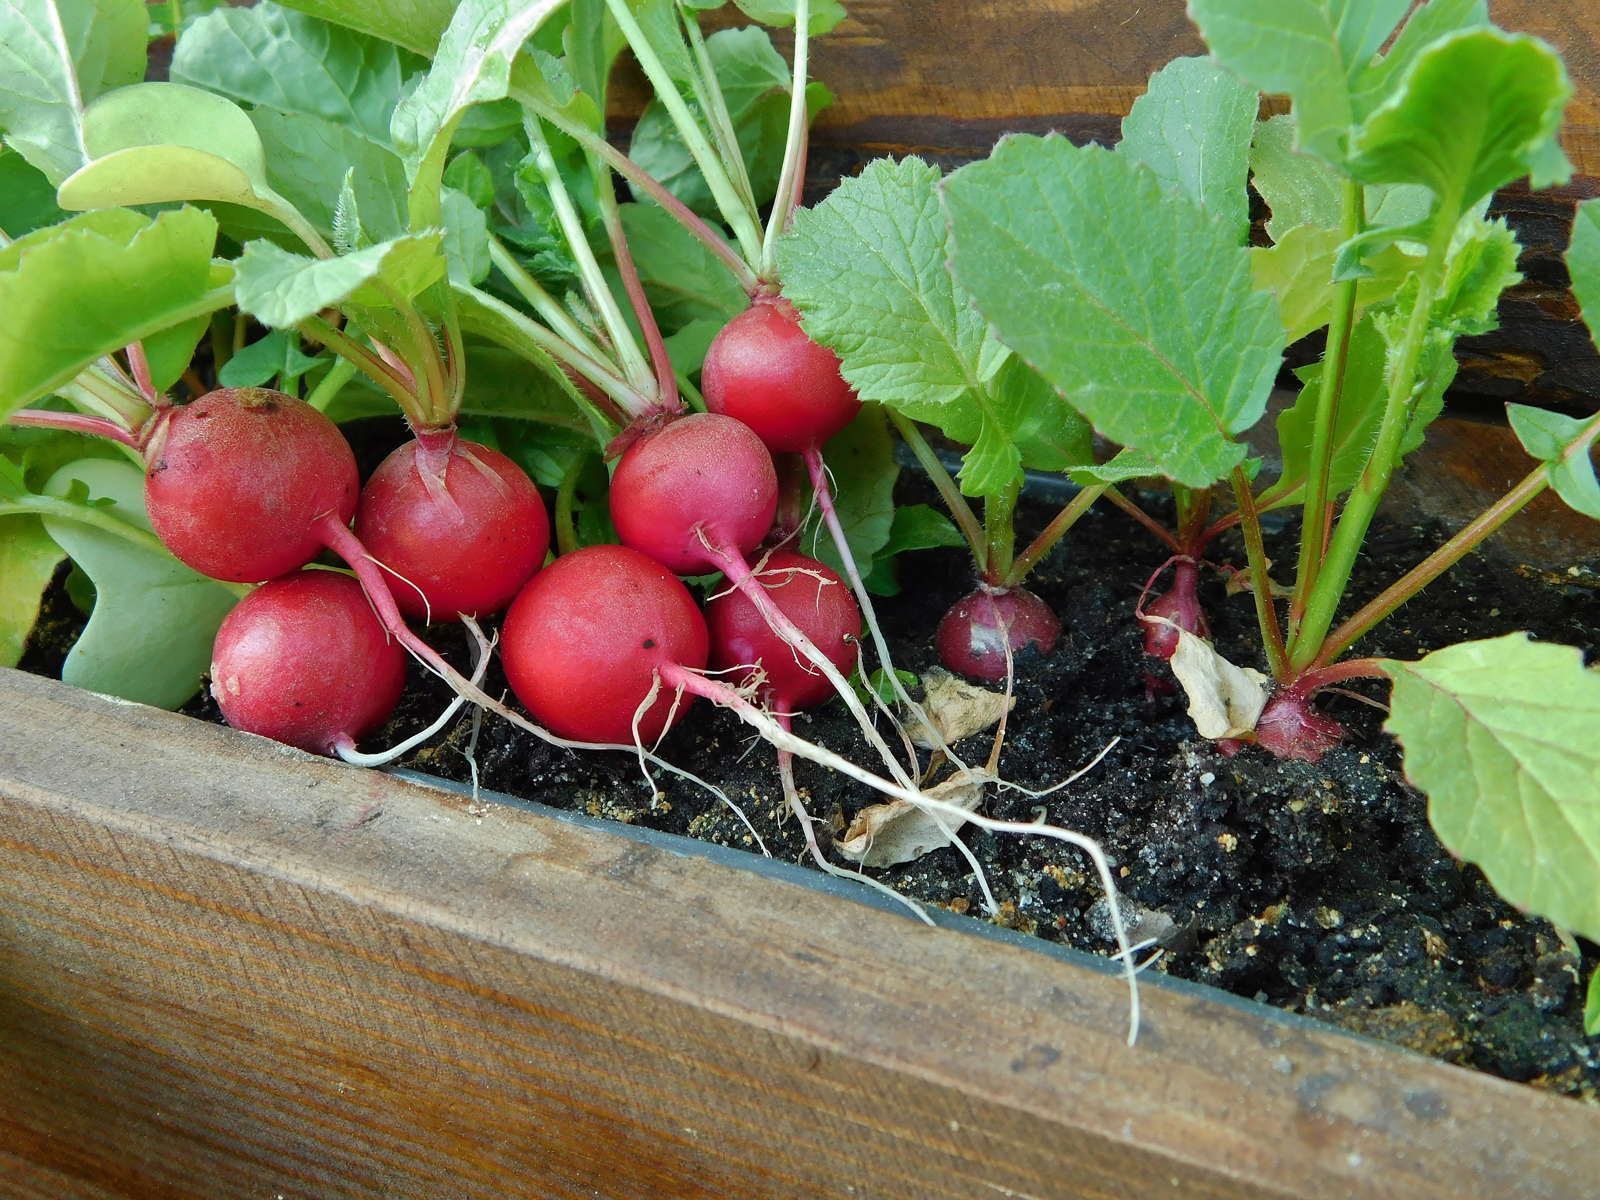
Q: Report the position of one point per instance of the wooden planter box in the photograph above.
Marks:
(230, 969)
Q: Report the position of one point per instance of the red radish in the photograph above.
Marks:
(238, 481)
(972, 637)
(459, 524)
(583, 643)
(811, 596)
(1180, 605)
(304, 661)
(696, 486)
(763, 370)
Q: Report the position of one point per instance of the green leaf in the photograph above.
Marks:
(1314, 51)
(1130, 301)
(281, 289)
(1501, 736)
(27, 198)
(755, 83)
(688, 347)
(55, 57)
(157, 142)
(825, 14)
(1360, 411)
(466, 238)
(416, 25)
(1475, 111)
(28, 561)
(915, 527)
(309, 160)
(1299, 271)
(866, 268)
(468, 175)
(472, 66)
(270, 57)
(65, 292)
(1193, 127)
(1026, 423)
(1123, 466)
(170, 351)
(187, 12)
(149, 637)
(684, 281)
(861, 460)
(1565, 444)
(1591, 1006)
(1583, 263)
(276, 356)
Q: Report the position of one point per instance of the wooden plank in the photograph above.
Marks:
(228, 969)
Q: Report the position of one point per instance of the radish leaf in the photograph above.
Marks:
(1131, 301)
(1566, 446)
(416, 25)
(1501, 736)
(28, 561)
(281, 289)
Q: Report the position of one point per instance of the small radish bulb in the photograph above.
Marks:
(972, 637)
(304, 661)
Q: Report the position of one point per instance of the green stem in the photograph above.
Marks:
(1467, 539)
(331, 384)
(370, 365)
(299, 226)
(566, 495)
(634, 367)
(960, 511)
(94, 389)
(1053, 533)
(1317, 510)
(795, 143)
(649, 185)
(740, 219)
(1260, 574)
(1362, 506)
(1000, 531)
(550, 310)
(712, 101)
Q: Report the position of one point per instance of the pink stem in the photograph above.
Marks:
(1318, 678)
(40, 418)
(660, 360)
(140, 365)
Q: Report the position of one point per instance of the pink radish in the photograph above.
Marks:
(811, 596)
(461, 526)
(237, 482)
(973, 636)
(763, 370)
(303, 660)
(584, 641)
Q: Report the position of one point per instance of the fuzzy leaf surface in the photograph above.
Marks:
(65, 291)
(1500, 734)
(1131, 302)
(1193, 127)
(281, 289)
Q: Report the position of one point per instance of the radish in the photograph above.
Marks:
(459, 523)
(989, 627)
(1180, 608)
(302, 660)
(763, 370)
(584, 642)
(238, 481)
(811, 596)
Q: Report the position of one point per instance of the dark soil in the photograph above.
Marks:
(1320, 889)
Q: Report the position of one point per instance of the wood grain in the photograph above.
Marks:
(230, 970)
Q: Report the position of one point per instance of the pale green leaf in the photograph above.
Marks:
(309, 160)
(270, 57)
(1192, 127)
(1501, 735)
(1591, 1006)
(55, 57)
(1133, 303)
(867, 270)
(65, 292)
(417, 25)
(281, 289)
(1566, 445)
(1123, 466)
(1298, 270)
(150, 634)
(824, 14)
(1314, 51)
(472, 66)
(1583, 263)
(28, 560)
(1463, 140)
(157, 142)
